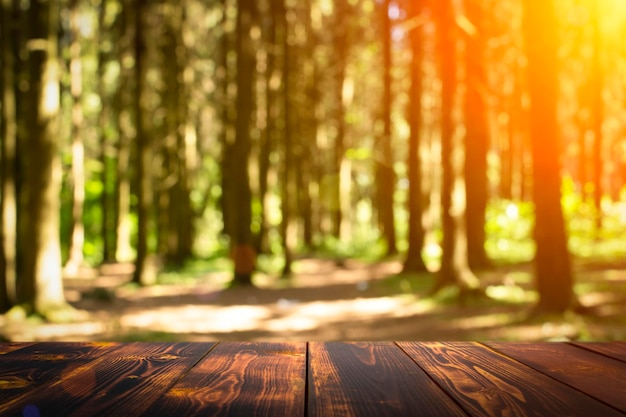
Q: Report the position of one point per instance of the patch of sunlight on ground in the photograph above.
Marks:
(197, 318)
(510, 293)
(546, 332)
(284, 315)
(483, 321)
(78, 331)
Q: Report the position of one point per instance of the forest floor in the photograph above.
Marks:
(325, 301)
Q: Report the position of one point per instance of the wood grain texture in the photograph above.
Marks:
(24, 371)
(485, 382)
(597, 375)
(11, 346)
(616, 350)
(371, 379)
(124, 380)
(240, 379)
(342, 379)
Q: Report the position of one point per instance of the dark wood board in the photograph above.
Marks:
(240, 379)
(25, 370)
(485, 382)
(599, 376)
(371, 379)
(120, 381)
(8, 347)
(616, 350)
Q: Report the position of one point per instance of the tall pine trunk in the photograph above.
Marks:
(123, 109)
(243, 250)
(476, 137)
(339, 167)
(41, 278)
(597, 112)
(287, 181)
(145, 271)
(8, 154)
(385, 175)
(106, 224)
(77, 236)
(553, 275)
(454, 269)
(416, 234)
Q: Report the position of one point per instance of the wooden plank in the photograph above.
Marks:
(123, 380)
(371, 379)
(616, 350)
(485, 382)
(8, 347)
(240, 379)
(27, 369)
(597, 375)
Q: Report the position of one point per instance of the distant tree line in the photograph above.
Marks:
(152, 131)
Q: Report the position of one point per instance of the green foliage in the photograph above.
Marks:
(408, 283)
(147, 336)
(508, 228)
(368, 248)
(586, 240)
(197, 270)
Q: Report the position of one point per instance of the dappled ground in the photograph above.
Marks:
(323, 301)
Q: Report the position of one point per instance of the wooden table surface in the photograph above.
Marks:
(313, 379)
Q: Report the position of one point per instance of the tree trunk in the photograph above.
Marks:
(385, 175)
(267, 138)
(597, 116)
(41, 279)
(476, 138)
(145, 271)
(106, 224)
(177, 211)
(455, 269)
(124, 99)
(416, 234)
(553, 276)
(243, 250)
(226, 82)
(8, 154)
(340, 38)
(287, 183)
(77, 236)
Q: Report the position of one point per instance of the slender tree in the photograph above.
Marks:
(414, 261)
(553, 276)
(175, 190)
(271, 114)
(77, 235)
(8, 153)
(385, 175)
(288, 169)
(476, 136)
(106, 225)
(41, 279)
(123, 108)
(145, 272)
(455, 268)
(241, 205)
(597, 114)
(341, 48)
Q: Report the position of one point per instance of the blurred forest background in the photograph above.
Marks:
(469, 154)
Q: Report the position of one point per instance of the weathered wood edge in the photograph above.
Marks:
(488, 382)
(615, 350)
(596, 375)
